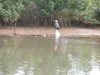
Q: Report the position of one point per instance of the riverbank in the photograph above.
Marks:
(43, 31)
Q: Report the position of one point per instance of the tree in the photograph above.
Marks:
(12, 9)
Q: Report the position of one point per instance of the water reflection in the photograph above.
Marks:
(57, 43)
(95, 65)
(37, 56)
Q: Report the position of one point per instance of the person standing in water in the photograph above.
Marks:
(57, 34)
(57, 26)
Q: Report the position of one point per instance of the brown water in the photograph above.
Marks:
(47, 56)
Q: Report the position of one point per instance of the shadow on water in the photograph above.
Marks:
(47, 56)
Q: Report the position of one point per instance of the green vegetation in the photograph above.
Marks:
(44, 12)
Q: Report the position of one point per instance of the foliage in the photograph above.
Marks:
(48, 7)
(97, 11)
(97, 14)
(85, 10)
(1, 6)
(12, 9)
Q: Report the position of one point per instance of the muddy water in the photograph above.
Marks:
(48, 56)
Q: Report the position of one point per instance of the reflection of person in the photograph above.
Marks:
(57, 26)
(56, 44)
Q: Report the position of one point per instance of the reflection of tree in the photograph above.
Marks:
(8, 54)
(12, 56)
(95, 65)
(79, 53)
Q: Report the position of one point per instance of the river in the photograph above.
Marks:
(47, 56)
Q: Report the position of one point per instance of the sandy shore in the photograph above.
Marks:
(43, 31)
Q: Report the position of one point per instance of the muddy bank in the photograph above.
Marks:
(43, 31)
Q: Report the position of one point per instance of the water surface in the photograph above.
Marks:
(48, 56)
